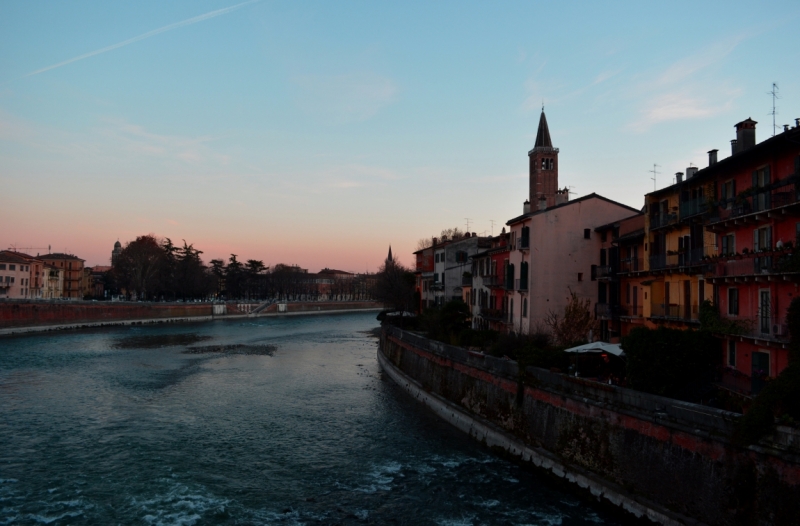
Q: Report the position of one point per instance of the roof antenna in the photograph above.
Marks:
(492, 221)
(655, 173)
(774, 112)
(467, 219)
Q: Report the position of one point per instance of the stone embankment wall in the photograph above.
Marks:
(670, 461)
(46, 313)
(21, 314)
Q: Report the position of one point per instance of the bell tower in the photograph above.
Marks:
(543, 168)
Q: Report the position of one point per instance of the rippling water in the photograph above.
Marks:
(269, 421)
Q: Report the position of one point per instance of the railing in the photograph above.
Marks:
(766, 327)
(630, 311)
(659, 220)
(783, 195)
(492, 281)
(520, 284)
(685, 258)
(674, 311)
(604, 271)
(750, 266)
(631, 265)
(694, 207)
(605, 310)
(493, 314)
(663, 261)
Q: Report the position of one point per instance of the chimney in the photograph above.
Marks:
(785, 127)
(691, 172)
(679, 177)
(712, 157)
(526, 207)
(734, 147)
(542, 203)
(797, 123)
(435, 241)
(562, 196)
(746, 134)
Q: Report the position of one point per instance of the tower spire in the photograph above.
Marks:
(543, 133)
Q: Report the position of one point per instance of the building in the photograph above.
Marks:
(621, 278)
(553, 245)
(15, 276)
(116, 252)
(423, 270)
(489, 299)
(53, 282)
(73, 279)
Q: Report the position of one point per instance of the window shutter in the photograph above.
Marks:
(766, 175)
(755, 240)
(755, 178)
(768, 243)
(797, 165)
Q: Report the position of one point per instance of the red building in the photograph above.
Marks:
(490, 290)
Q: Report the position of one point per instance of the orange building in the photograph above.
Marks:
(72, 266)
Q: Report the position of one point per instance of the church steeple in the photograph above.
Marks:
(543, 168)
(543, 134)
(389, 258)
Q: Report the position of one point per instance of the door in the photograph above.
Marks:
(764, 309)
(760, 371)
(687, 300)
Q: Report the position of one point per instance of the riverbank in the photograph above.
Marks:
(662, 459)
(23, 317)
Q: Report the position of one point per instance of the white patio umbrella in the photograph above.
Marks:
(597, 347)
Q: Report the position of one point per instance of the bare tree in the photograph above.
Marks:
(574, 327)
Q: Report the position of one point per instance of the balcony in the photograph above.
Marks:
(672, 311)
(630, 311)
(605, 271)
(752, 207)
(755, 266)
(662, 220)
(694, 207)
(735, 381)
(767, 327)
(606, 311)
(493, 314)
(631, 265)
(523, 243)
(492, 281)
(521, 285)
(685, 258)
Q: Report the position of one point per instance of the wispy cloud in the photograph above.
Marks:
(345, 97)
(687, 89)
(187, 22)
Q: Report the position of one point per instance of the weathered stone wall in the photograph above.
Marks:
(42, 313)
(672, 456)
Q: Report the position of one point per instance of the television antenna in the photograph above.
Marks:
(467, 219)
(15, 248)
(774, 111)
(492, 221)
(655, 173)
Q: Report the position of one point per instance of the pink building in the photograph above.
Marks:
(15, 276)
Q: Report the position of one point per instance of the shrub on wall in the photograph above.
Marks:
(670, 362)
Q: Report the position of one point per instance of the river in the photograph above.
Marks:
(265, 421)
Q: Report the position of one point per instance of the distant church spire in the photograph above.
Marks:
(389, 258)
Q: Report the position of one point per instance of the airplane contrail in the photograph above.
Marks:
(149, 34)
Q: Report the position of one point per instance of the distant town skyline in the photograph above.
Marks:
(319, 134)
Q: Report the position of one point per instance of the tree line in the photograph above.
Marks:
(149, 268)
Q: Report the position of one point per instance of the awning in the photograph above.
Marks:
(597, 347)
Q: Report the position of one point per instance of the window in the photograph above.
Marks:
(525, 307)
(436, 278)
(728, 244)
(732, 353)
(762, 239)
(12, 267)
(728, 193)
(587, 233)
(733, 302)
(603, 236)
(3, 265)
(580, 276)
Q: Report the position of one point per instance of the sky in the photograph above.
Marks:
(320, 133)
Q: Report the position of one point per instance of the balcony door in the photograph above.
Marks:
(760, 182)
(687, 299)
(764, 310)
(760, 371)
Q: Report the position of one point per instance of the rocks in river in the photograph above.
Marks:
(235, 348)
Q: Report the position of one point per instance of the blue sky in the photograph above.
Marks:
(318, 133)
